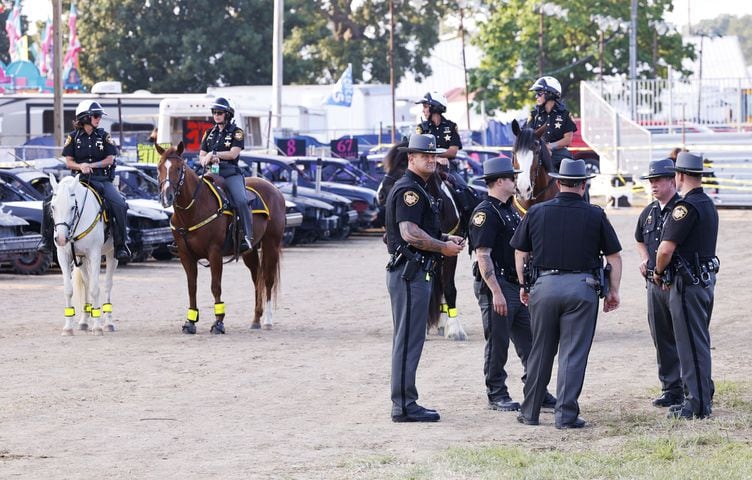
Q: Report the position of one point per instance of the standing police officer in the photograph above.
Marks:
(648, 236)
(549, 111)
(89, 150)
(496, 288)
(416, 243)
(222, 145)
(564, 239)
(687, 254)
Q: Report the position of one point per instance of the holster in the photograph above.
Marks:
(412, 267)
(529, 276)
(604, 274)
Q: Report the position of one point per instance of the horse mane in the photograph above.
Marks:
(395, 159)
(527, 139)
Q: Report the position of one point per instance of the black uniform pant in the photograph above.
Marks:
(410, 316)
(235, 187)
(498, 330)
(691, 308)
(662, 331)
(563, 311)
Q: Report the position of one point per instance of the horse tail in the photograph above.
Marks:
(270, 274)
(79, 289)
(434, 303)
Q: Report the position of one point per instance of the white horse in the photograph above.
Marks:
(79, 237)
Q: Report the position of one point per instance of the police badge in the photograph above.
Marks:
(410, 198)
(679, 213)
(479, 219)
(238, 135)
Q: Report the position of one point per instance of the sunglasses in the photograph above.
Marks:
(540, 93)
(218, 112)
(96, 115)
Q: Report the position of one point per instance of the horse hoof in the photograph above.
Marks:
(110, 328)
(441, 331)
(83, 326)
(218, 328)
(67, 333)
(267, 326)
(189, 328)
(97, 332)
(255, 326)
(459, 337)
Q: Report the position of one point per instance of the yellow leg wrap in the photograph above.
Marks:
(87, 307)
(192, 315)
(96, 313)
(107, 308)
(70, 312)
(219, 308)
(452, 312)
(444, 308)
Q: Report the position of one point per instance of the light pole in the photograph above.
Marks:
(659, 28)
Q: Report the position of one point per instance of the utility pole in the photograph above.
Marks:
(464, 68)
(633, 62)
(57, 68)
(540, 44)
(277, 81)
(391, 69)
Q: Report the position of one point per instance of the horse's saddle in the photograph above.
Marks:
(255, 200)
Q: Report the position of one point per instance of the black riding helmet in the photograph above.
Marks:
(436, 102)
(224, 105)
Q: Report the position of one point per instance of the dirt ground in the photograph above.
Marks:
(310, 398)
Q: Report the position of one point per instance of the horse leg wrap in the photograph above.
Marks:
(87, 308)
(444, 308)
(70, 312)
(107, 308)
(452, 312)
(96, 313)
(192, 315)
(219, 308)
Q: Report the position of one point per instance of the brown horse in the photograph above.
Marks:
(442, 315)
(201, 224)
(534, 185)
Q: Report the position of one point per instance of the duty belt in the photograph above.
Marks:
(557, 271)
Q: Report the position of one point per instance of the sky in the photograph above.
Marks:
(698, 10)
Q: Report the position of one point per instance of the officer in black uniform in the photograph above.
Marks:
(550, 111)
(222, 145)
(496, 288)
(686, 260)
(648, 236)
(445, 131)
(89, 150)
(416, 243)
(564, 239)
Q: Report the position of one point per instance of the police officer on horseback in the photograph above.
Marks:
(493, 223)
(549, 113)
(686, 264)
(415, 241)
(89, 149)
(222, 146)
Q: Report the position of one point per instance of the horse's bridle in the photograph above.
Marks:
(176, 189)
(73, 224)
(537, 170)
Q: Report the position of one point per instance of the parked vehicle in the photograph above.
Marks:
(336, 170)
(17, 245)
(23, 205)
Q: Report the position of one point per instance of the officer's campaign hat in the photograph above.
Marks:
(422, 143)
(497, 167)
(660, 168)
(572, 170)
(690, 163)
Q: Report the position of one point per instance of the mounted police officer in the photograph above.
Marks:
(648, 235)
(89, 149)
(416, 244)
(549, 112)
(222, 146)
(686, 262)
(496, 288)
(563, 240)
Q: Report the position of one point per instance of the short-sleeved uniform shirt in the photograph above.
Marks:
(222, 140)
(693, 226)
(567, 234)
(409, 201)
(90, 148)
(650, 227)
(492, 225)
(446, 132)
(558, 122)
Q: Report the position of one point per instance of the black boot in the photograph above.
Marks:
(119, 236)
(47, 230)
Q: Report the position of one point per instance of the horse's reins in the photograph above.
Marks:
(534, 196)
(77, 219)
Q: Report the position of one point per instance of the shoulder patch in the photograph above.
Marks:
(68, 140)
(418, 129)
(108, 139)
(679, 212)
(411, 198)
(479, 219)
(238, 135)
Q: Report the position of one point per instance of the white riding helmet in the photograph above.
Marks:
(549, 85)
(87, 108)
(437, 102)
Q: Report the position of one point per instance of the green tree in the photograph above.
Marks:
(176, 45)
(323, 36)
(731, 25)
(510, 43)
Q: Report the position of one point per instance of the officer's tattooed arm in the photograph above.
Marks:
(488, 272)
(418, 238)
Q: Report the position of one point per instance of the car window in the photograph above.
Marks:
(8, 194)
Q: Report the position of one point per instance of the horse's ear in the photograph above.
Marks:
(53, 183)
(159, 148)
(515, 127)
(180, 148)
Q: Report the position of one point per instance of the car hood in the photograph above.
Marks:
(150, 209)
(328, 197)
(303, 201)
